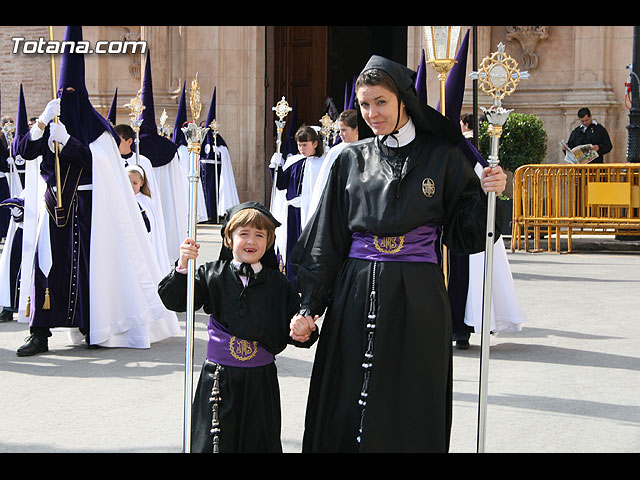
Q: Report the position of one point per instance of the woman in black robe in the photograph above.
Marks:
(382, 376)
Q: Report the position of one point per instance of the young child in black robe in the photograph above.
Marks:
(250, 303)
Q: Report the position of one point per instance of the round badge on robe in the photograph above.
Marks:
(428, 187)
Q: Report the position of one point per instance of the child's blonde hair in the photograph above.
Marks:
(253, 218)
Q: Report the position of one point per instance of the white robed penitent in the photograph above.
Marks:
(507, 314)
(322, 176)
(173, 192)
(125, 308)
(34, 209)
(227, 190)
(156, 235)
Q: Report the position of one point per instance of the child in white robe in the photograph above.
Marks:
(137, 177)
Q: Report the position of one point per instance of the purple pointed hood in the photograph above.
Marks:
(158, 149)
(181, 118)
(208, 140)
(421, 79)
(454, 94)
(77, 114)
(454, 85)
(22, 123)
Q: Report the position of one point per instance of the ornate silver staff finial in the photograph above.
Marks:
(9, 129)
(163, 130)
(498, 74)
(282, 108)
(136, 107)
(326, 128)
(214, 126)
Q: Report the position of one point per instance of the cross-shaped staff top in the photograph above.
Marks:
(499, 74)
(282, 108)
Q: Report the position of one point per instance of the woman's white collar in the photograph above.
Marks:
(405, 135)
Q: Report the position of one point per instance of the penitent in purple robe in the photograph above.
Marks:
(290, 180)
(68, 279)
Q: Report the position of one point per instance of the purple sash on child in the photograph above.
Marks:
(418, 245)
(225, 349)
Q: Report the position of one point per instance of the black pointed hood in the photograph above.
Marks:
(424, 117)
(111, 115)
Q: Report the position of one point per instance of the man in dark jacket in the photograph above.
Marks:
(590, 132)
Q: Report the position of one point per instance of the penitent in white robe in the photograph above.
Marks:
(175, 207)
(126, 310)
(157, 234)
(507, 314)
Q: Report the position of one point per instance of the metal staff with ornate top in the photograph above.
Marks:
(194, 136)
(8, 130)
(214, 126)
(498, 76)
(282, 108)
(136, 106)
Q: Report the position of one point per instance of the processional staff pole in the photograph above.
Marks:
(136, 106)
(194, 136)
(214, 126)
(57, 147)
(282, 108)
(498, 75)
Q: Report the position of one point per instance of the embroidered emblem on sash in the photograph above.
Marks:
(388, 244)
(428, 187)
(242, 350)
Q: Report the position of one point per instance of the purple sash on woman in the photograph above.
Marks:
(225, 349)
(418, 245)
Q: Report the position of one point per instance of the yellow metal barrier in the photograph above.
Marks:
(567, 199)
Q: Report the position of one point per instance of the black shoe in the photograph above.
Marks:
(35, 344)
(462, 344)
(6, 316)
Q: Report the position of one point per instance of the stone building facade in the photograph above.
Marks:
(570, 67)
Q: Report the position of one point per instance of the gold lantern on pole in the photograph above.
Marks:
(441, 47)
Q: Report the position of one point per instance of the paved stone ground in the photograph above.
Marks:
(568, 382)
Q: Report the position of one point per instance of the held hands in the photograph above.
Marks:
(188, 251)
(302, 326)
(493, 179)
